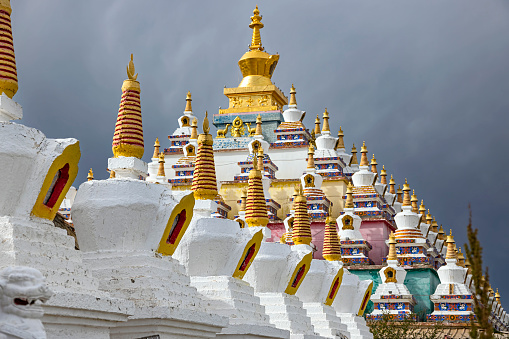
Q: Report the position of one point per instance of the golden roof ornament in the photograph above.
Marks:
(317, 125)
(383, 176)
(160, 170)
(497, 297)
(414, 202)
(258, 130)
(90, 175)
(293, 100)
(400, 194)
(373, 165)
(194, 129)
(311, 158)
(434, 226)
(353, 159)
(188, 108)
(204, 176)
(326, 127)
(451, 254)
(128, 137)
(364, 156)
(392, 247)
(392, 183)
(157, 145)
(256, 25)
(331, 241)
(301, 233)
(349, 196)
(441, 233)
(429, 218)
(422, 210)
(260, 160)
(341, 142)
(256, 208)
(461, 258)
(406, 194)
(8, 71)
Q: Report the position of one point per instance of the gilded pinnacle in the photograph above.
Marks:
(188, 102)
(364, 157)
(392, 183)
(349, 196)
(130, 70)
(160, 170)
(293, 100)
(406, 194)
(317, 125)
(392, 247)
(373, 165)
(325, 127)
(451, 253)
(156, 148)
(258, 130)
(194, 129)
(256, 25)
(341, 142)
(90, 175)
(353, 159)
(311, 158)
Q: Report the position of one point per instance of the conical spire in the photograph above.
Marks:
(341, 142)
(317, 125)
(258, 130)
(331, 241)
(461, 258)
(441, 233)
(497, 297)
(260, 161)
(400, 194)
(243, 199)
(392, 183)
(194, 129)
(349, 196)
(364, 156)
(293, 100)
(414, 201)
(451, 254)
(406, 194)
(295, 194)
(373, 165)
(392, 247)
(160, 170)
(311, 157)
(256, 208)
(353, 159)
(434, 225)
(8, 72)
(256, 25)
(90, 175)
(383, 176)
(422, 211)
(204, 176)
(189, 108)
(128, 137)
(325, 127)
(157, 145)
(429, 218)
(301, 224)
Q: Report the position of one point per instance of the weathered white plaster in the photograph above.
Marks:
(9, 109)
(128, 167)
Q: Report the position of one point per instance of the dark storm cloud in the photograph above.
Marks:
(424, 83)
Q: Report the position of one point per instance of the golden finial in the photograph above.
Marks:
(497, 297)
(429, 218)
(353, 159)
(392, 247)
(461, 258)
(204, 176)
(256, 25)
(188, 102)
(392, 183)
(293, 100)
(422, 210)
(373, 165)
(260, 160)
(156, 148)
(311, 158)
(451, 254)
(331, 242)
(406, 194)
(112, 174)
(258, 130)
(206, 127)
(160, 170)
(341, 142)
(441, 233)
(256, 208)
(400, 194)
(383, 176)
(414, 201)
(326, 127)
(130, 70)
(243, 198)
(349, 196)
(364, 157)
(194, 129)
(317, 125)
(90, 175)
(301, 233)
(8, 72)
(434, 225)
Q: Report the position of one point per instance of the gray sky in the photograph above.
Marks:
(424, 83)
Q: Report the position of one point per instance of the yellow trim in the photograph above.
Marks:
(187, 204)
(339, 275)
(257, 241)
(305, 261)
(368, 294)
(71, 155)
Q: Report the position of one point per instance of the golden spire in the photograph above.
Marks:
(461, 258)
(451, 254)
(160, 170)
(188, 102)
(204, 176)
(349, 196)
(311, 157)
(90, 175)
(194, 129)
(434, 225)
(392, 247)
(112, 174)
(392, 183)
(243, 198)
(8, 72)
(341, 142)
(156, 148)
(293, 100)
(429, 218)
(373, 165)
(383, 176)
(128, 137)
(414, 202)
(260, 161)
(326, 127)
(422, 211)
(364, 157)
(497, 297)
(441, 233)
(256, 208)
(295, 194)
(353, 159)
(400, 194)
(256, 25)
(406, 194)
(317, 125)
(331, 241)
(301, 233)
(258, 130)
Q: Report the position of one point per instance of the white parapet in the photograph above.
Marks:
(9, 109)
(128, 167)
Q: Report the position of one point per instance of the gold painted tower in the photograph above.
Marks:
(8, 72)
(204, 176)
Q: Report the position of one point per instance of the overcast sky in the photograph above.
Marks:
(424, 83)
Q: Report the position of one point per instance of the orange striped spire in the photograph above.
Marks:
(128, 137)
(256, 208)
(331, 243)
(301, 225)
(8, 72)
(204, 176)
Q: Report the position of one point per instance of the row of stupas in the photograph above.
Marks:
(293, 164)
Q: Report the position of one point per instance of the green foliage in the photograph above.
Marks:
(387, 328)
(481, 327)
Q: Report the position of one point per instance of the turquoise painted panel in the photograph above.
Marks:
(270, 121)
